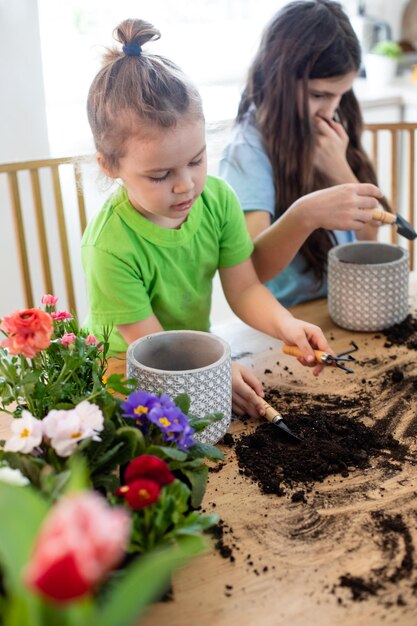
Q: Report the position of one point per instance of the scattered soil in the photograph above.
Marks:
(394, 539)
(404, 334)
(223, 546)
(342, 435)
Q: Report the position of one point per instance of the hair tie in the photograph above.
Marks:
(132, 49)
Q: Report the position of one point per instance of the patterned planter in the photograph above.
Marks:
(368, 285)
(187, 361)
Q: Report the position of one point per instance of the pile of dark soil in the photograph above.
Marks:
(404, 334)
(334, 441)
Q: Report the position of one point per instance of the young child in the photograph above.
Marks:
(295, 157)
(150, 254)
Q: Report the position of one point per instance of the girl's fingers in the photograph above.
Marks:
(367, 202)
(368, 189)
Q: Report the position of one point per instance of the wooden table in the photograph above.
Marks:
(285, 572)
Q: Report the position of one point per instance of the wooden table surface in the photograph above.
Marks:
(289, 556)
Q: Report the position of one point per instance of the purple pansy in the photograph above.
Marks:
(161, 411)
(138, 406)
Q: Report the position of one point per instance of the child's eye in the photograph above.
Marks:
(198, 162)
(159, 179)
(317, 96)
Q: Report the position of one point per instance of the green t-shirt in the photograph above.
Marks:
(135, 268)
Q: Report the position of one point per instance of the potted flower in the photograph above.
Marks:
(381, 62)
(137, 453)
(67, 567)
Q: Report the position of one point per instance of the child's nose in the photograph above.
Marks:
(328, 110)
(183, 183)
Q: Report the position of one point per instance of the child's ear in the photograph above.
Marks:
(105, 168)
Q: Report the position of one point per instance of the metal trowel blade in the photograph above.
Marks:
(404, 228)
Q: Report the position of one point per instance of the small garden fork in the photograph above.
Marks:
(335, 360)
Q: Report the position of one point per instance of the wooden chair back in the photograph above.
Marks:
(36, 200)
(391, 147)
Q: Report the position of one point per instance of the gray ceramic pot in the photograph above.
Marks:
(368, 285)
(187, 361)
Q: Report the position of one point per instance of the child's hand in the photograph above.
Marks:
(246, 389)
(308, 338)
(330, 149)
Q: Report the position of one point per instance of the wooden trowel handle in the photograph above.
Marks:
(271, 414)
(383, 216)
(295, 351)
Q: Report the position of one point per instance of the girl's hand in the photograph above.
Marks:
(308, 338)
(330, 150)
(246, 389)
(342, 207)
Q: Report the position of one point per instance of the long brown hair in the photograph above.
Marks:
(135, 91)
(305, 40)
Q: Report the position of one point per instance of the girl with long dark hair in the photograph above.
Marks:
(295, 157)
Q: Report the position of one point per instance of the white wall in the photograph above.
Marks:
(23, 128)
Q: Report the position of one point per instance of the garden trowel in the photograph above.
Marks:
(404, 228)
(275, 418)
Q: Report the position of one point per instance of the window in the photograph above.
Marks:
(213, 41)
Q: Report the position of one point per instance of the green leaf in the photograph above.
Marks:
(144, 581)
(200, 423)
(198, 481)
(388, 48)
(23, 511)
(134, 442)
(79, 477)
(206, 450)
(183, 402)
(165, 451)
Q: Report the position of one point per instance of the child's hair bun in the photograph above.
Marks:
(133, 34)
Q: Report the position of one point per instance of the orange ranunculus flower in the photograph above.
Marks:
(29, 331)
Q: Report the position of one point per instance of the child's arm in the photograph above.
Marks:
(343, 207)
(256, 306)
(131, 332)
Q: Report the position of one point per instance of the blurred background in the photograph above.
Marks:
(50, 51)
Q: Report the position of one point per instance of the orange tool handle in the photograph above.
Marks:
(295, 351)
(383, 216)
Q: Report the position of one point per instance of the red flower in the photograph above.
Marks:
(29, 331)
(148, 466)
(81, 540)
(140, 493)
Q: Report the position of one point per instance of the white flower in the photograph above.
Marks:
(91, 415)
(12, 476)
(27, 434)
(66, 429)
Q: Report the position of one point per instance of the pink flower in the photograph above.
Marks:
(29, 331)
(26, 435)
(68, 339)
(59, 316)
(90, 340)
(80, 541)
(49, 300)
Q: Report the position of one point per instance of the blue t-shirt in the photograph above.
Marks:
(247, 168)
